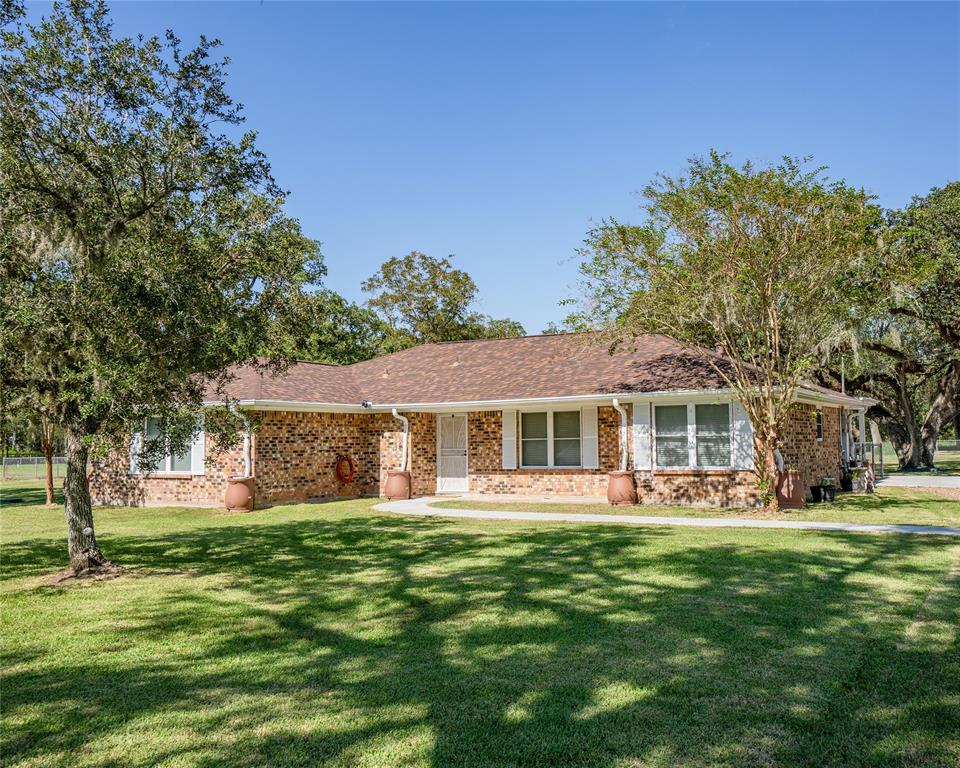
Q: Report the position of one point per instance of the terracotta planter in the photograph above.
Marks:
(621, 490)
(398, 485)
(791, 490)
(241, 494)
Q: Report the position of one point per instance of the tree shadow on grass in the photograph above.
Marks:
(373, 640)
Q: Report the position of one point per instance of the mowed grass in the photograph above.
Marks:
(334, 635)
(887, 505)
(945, 462)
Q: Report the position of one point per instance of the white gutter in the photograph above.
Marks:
(623, 433)
(807, 395)
(406, 432)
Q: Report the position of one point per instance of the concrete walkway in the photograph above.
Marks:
(421, 508)
(925, 480)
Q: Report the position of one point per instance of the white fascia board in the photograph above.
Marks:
(678, 396)
(813, 397)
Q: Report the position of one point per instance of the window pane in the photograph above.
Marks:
(672, 451)
(671, 420)
(181, 461)
(713, 435)
(153, 429)
(566, 424)
(534, 452)
(713, 420)
(671, 436)
(713, 451)
(533, 425)
(566, 453)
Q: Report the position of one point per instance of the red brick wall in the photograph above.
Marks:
(801, 449)
(294, 456)
(112, 483)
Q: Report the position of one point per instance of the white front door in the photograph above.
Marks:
(451, 453)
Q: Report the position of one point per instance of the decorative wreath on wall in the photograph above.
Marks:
(345, 469)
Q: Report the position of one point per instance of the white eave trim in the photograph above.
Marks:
(803, 395)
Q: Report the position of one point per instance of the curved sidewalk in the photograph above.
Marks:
(421, 508)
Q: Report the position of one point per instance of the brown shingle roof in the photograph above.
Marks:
(527, 367)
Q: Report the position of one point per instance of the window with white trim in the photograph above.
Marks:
(819, 417)
(672, 436)
(693, 435)
(550, 439)
(713, 435)
(177, 459)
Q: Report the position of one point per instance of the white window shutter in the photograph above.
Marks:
(742, 437)
(509, 429)
(589, 447)
(136, 440)
(198, 453)
(641, 435)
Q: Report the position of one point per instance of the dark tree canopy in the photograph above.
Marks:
(144, 242)
(906, 351)
(423, 299)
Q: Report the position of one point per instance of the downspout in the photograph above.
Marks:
(406, 432)
(623, 433)
(246, 448)
(246, 440)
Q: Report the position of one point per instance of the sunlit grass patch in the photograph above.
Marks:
(333, 635)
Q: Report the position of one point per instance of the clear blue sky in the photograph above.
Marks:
(498, 132)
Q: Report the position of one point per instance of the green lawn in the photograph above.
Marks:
(945, 462)
(887, 505)
(333, 635)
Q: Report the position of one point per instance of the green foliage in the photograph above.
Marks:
(144, 245)
(143, 250)
(330, 329)
(906, 352)
(423, 299)
(754, 262)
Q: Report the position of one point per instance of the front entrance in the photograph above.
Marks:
(452, 453)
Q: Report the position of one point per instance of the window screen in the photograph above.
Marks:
(671, 436)
(566, 438)
(533, 439)
(713, 435)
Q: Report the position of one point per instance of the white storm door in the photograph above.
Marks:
(451, 453)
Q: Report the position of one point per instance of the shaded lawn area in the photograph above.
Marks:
(332, 635)
(887, 505)
(945, 463)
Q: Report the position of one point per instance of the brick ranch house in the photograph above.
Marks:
(532, 415)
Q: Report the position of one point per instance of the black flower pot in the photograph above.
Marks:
(829, 492)
(817, 492)
(846, 483)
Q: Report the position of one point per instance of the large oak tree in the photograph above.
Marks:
(144, 244)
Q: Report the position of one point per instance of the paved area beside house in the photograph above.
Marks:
(921, 480)
(422, 508)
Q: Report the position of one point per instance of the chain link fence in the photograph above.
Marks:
(32, 468)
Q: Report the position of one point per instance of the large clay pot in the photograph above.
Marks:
(398, 485)
(621, 490)
(241, 494)
(791, 490)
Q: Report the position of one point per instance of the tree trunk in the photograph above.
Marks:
(46, 440)
(81, 539)
(942, 409)
(765, 461)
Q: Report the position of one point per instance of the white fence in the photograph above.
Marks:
(32, 468)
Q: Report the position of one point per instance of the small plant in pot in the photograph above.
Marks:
(828, 488)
